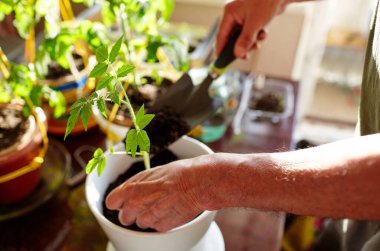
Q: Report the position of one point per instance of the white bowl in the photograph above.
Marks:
(182, 238)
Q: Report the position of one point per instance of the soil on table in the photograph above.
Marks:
(268, 102)
(13, 125)
(162, 158)
(56, 71)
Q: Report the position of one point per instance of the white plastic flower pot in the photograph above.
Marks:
(182, 238)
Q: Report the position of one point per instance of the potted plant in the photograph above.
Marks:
(116, 160)
(22, 129)
(158, 58)
(62, 56)
(63, 62)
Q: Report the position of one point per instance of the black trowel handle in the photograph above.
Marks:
(227, 55)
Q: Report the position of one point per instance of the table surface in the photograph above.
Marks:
(66, 223)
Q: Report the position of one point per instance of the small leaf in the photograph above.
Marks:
(101, 165)
(104, 81)
(101, 54)
(124, 70)
(98, 70)
(142, 120)
(79, 103)
(115, 50)
(112, 150)
(98, 153)
(85, 115)
(102, 107)
(140, 112)
(143, 141)
(131, 142)
(74, 114)
(94, 96)
(145, 120)
(91, 165)
(115, 97)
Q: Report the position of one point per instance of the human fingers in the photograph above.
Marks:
(248, 36)
(227, 24)
(262, 34)
(260, 37)
(126, 216)
(152, 215)
(115, 198)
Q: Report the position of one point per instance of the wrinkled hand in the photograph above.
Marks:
(253, 16)
(161, 198)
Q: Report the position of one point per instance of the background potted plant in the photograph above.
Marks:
(158, 57)
(63, 52)
(63, 62)
(117, 160)
(22, 129)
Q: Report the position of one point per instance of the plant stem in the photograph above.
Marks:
(127, 102)
(146, 159)
(124, 24)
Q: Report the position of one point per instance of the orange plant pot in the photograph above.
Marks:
(18, 155)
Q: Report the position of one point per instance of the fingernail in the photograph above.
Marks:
(239, 51)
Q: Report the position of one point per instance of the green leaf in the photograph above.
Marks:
(98, 70)
(112, 150)
(101, 165)
(74, 114)
(167, 8)
(102, 107)
(91, 165)
(85, 115)
(115, 50)
(145, 120)
(131, 142)
(79, 103)
(98, 153)
(104, 81)
(93, 96)
(124, 70)
(140, 113)
(143, 141)
(115, 97)
(142, 120)
(102, 54)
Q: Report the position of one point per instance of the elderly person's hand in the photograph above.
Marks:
(167, 196)
(253, 16)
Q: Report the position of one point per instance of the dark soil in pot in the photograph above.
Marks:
(165, 128)
(56, 71)
(13, 125)
(162, 158)
(268, 102)
(145, 94)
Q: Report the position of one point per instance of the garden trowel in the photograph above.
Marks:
(189, 96)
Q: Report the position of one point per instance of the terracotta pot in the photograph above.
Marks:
(182, 238)
(18, 155)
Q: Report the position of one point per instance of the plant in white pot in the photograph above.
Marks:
(116, 161)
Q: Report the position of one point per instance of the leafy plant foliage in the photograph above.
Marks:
(110, 82)
(22, 83)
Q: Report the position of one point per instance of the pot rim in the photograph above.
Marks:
(117, 228)
(25, 138)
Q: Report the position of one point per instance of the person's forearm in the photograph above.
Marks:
(341, 179)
